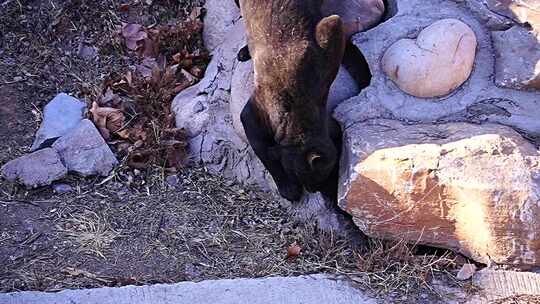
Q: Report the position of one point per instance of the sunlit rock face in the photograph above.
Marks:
(471, 188)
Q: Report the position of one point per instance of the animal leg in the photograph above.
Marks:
(261, 142)
(330, 187)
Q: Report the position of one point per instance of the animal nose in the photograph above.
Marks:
(311, 188)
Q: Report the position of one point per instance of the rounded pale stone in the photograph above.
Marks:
(436, 63)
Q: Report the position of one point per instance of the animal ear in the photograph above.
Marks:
(330, 36)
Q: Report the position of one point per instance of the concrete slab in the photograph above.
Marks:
(278, 290)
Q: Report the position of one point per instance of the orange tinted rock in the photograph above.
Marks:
(474, 189)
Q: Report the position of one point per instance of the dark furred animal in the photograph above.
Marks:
(296, 56)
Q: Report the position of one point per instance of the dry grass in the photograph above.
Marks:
(90, 233)
(119, 233)
(132, 227)
(395, 267)
(523, 299)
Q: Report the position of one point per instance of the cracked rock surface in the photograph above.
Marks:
(477, 100)
(470, 188)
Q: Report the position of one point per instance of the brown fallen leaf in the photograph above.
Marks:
(124, 7)
(139, 160)
(107, 120)
(197, 71)
(293, 251)
(174, 142)
(151, 43)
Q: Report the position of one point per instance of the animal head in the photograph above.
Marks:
(309, 165)
(298, 110)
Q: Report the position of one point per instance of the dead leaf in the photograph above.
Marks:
(293, 251)
(174, 142)
(107, 119)
(197, 71)
(145, 68)
(139, 160)
(151, 44)
(124, 7)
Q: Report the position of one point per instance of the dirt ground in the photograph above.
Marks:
(147, 226)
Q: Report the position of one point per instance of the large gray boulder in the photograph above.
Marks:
(37, 169)
(60, 116)
(470, 188)
(477, 100)
(85, 152)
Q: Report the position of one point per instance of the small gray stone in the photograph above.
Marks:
(60, 116)
(62, 188)
(40, 168)
(88, 52)
(516, 55)
(85, 152)
(172, 180)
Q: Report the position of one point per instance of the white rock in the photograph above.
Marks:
(466, 272)
(60, 116)
(435, 63)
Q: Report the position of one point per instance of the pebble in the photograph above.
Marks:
(62, 188)
(172, 180)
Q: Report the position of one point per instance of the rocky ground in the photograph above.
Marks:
(157, 218)
(148, 225)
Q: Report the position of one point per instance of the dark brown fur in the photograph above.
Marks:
(296, 57)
